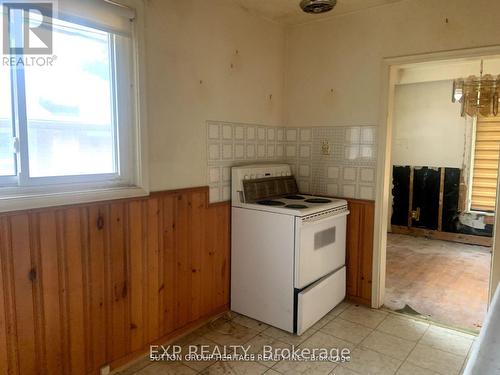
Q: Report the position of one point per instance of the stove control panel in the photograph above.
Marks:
(253, 172)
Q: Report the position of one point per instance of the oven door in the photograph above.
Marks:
(320, 242)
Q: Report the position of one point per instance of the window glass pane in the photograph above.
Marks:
(70, 106)
(7, 156)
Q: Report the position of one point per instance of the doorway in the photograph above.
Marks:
(433, 254)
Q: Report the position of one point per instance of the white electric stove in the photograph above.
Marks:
(288, 249)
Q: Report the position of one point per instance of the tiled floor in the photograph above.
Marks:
(445, 281)
(381, 343)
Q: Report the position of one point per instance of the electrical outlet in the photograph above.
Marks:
(105, 370)
(326, 149)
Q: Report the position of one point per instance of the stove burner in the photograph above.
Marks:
(269, 202)
(318, 200)
(295, 197)
(296, 206)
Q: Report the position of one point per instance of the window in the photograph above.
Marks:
(485, 164)
(68, 120)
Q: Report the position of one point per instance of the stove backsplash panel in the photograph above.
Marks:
(329, 160)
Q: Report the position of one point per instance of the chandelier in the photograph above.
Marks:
(478, 95)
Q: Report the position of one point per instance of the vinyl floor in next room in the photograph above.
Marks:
(445, 281)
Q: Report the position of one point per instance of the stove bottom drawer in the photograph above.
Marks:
(317, 300)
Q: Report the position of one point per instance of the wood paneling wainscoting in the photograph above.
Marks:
(360, 227)
(89, 285)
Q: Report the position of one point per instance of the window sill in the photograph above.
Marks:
(21, 202)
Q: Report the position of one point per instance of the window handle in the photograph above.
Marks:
(15, 145)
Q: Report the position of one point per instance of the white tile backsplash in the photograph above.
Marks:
(291, 151)
(239, 133)
(367, 192)
(333, 172)
(304, 171)
(305, 135)
(261, 151)
(261, 133)
(250, 133)
(349, 174)
(250, 152)
(367, 175)
(239, 151)
(214, 175)
(352, 152)
(227, 151)
(332, 189)
(213, 151)
(227, 132)
(213, 131)
(367, 135)
(352, 135)
(271, 134)
(349, 170)
(305, 151)
(349, 191)
(291, 135)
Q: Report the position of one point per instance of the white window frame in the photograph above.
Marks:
(130, 142)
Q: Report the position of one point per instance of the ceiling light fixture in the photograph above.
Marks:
(478, 95)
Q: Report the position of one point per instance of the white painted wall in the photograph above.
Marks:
(189, 41)
(345, 53)
(428, 129)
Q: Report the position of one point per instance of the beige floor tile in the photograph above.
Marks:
(389, 345)
(257, 347)
(230, 333)
(216, 324)
(326, 341)
(340, 308)
(200, 346)
(309, 368)
(448, 340)
(347, 330)
(368, 362)
(272, 372)
(136, 366)
(236, 368)
(322, 322)
(362, 315)
(405, 328)
(287, 337)
(336, 311)
(250, 323)
(188, 338)
(409, 369)
(436, 360)
(340, 370)
(166, 368)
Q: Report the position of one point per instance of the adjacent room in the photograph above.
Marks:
(249, 187)
(444, 182)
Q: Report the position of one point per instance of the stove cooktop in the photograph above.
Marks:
(270, 202)
(295, 204)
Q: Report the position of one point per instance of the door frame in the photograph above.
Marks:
(390, 67)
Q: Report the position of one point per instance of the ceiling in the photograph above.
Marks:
(289, 12)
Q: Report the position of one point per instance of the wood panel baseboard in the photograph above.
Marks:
(359, 251)
(89, 285)
(443, 236)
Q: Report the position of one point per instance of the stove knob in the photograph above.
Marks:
(252, 176)
(283, 173)
(288, 174)
(246, 177)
